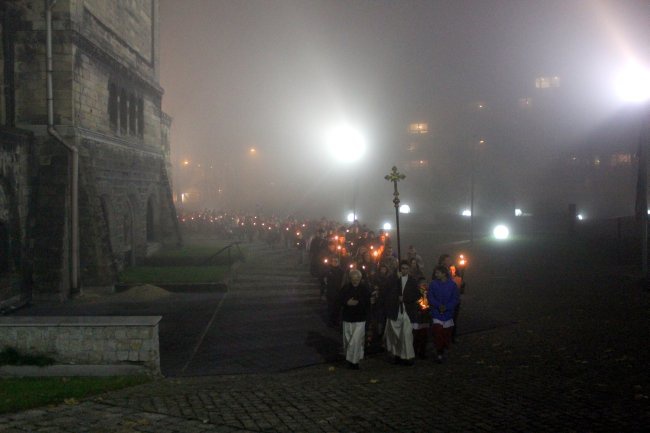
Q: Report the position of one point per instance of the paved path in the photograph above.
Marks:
(574, 360)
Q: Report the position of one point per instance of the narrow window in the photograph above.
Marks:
(132, 115)
(124, 113)
(141, 117)
(112, 107)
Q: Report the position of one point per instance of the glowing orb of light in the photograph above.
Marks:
(501, 232)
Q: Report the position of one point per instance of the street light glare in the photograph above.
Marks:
(350, 217)
(387, 226)
(346, 143)
(501, 232)
(633, 84)
(405, 208)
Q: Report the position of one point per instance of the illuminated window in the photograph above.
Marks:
(525, 102)
(420, 163)
(547, 82)
(418, 128)
(619, 159)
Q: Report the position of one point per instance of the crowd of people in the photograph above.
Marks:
(379, 302)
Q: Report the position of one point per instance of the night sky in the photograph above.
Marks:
(275, 75)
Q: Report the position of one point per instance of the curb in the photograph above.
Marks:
(69, 370)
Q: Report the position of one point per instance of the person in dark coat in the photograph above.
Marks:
(380, 283)
(422, 323)
(401, 307)
(354, 299)
(333, 281)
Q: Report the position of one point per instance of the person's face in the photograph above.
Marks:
(383, 270)
(405, 269)
(440, 275)
(335, 262)
(448, 262)
(355, 278)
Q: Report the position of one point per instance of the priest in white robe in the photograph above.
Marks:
(401, 311)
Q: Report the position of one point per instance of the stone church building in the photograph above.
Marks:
(84, 150)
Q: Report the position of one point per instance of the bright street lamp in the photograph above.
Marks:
(501, 232)
(633, 84)
(347, 145)
(406, 209)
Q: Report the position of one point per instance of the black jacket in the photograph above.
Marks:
(359, 312)
(410, 298)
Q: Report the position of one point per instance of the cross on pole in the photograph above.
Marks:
(395, 176)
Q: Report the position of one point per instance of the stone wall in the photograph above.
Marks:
(98, 340)
(107, 103)
(15, 147)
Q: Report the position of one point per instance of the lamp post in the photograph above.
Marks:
(395, 176)
(634, 86)
(471, 189)
(641, 205)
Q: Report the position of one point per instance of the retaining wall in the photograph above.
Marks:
(81, 340)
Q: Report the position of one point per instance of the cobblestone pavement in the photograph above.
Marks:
(575, 363)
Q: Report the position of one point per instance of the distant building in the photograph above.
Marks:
(106, 107)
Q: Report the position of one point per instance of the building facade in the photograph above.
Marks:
(99, 121)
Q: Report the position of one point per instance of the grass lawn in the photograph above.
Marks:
(17, 394)
(196, 255)
(187, 264)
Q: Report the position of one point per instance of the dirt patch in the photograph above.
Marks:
(143, 293)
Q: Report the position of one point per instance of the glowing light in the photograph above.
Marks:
(387, 226)
(633, 83)
(580, 217)
(346, 143)
(501, 232)
(518, 212)
(466, 213)
(350, 217)
(405, 209)
(252, 151)
(186, 162)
